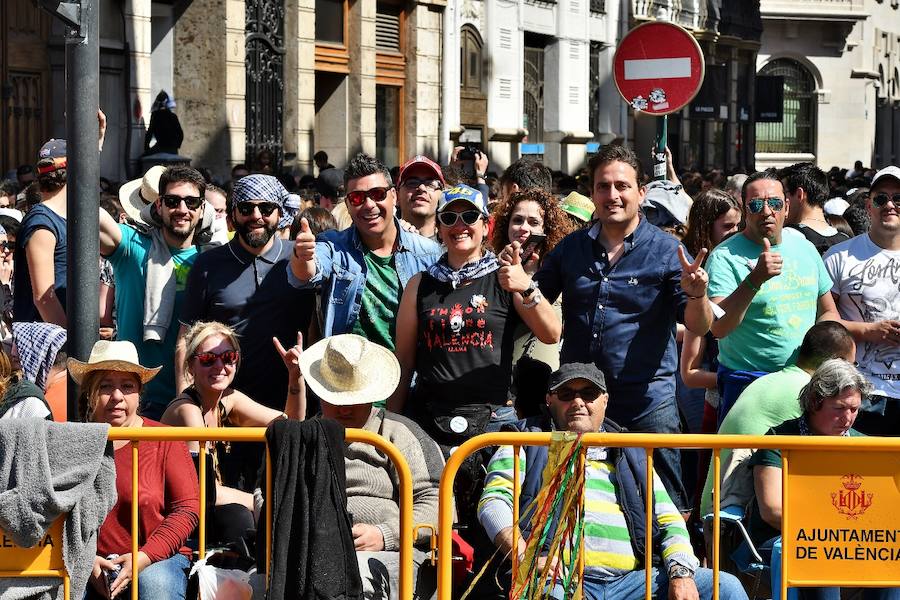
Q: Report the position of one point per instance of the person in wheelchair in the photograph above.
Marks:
(614, 506)
(830, 403)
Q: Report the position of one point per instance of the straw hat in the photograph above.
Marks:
(138, 193)
(348, 369)
(111, 356)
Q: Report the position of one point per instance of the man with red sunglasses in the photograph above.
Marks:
(866, 275)
(151, 267)
(361, 271)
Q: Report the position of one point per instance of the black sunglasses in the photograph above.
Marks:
(588, 394)
(265, 208)
(880, 200)
(449, 218)
(174, 201)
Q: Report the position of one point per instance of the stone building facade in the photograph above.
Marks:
(840, 64)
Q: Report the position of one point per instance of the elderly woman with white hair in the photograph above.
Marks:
(830, 403)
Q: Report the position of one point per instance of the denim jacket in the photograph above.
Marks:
(341, 272)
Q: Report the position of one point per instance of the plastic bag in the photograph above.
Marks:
(221, 584)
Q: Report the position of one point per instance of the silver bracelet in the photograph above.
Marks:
(534, 300)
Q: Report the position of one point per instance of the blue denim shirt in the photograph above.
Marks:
(621, 317)
(341, 272)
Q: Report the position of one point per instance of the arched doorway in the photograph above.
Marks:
(796, 133)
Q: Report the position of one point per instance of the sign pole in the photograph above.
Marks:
(659, 152)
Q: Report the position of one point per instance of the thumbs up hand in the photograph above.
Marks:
(305, 243)
(512, 276)
(767, 266)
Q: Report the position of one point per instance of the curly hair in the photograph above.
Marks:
(707, 207)
(557, 224)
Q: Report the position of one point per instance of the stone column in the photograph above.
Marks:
(210, 83)
(140, 98)
(300, 81)
(423, 80)
(361, 116)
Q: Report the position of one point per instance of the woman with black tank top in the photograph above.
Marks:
(212, 359)
(456, 323)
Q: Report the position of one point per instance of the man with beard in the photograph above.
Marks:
(419, 187)
(244, 285)
(149, 293)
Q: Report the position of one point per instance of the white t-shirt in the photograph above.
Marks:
(867, 282)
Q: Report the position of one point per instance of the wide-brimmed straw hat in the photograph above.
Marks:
(111, 356)
(348, 369)
(138, 193)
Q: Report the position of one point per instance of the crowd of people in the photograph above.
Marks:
(430, 304)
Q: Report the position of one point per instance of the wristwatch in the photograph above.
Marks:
(680, 572)
(529, 290)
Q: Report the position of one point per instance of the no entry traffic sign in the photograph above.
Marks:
(658, 68)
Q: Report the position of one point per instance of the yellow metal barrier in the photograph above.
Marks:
(43, 560)
(889, 447)
(258, 434)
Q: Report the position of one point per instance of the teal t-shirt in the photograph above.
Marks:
(767, 402)
(129, 263)
(377, 320)
(781, 312)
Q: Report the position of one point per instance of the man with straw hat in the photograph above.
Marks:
(349, 373)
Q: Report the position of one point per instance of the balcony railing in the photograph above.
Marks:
(811, 9)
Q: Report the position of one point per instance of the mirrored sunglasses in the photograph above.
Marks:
(358, 197)
(208, 359)
(755, 206)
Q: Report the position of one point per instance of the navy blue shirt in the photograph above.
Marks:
(39, 217)
(620, 317)
(252, 295)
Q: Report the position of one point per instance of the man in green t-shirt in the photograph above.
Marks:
(772, 285)
(769, 401)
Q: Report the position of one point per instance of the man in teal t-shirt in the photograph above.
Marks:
(179, 207)
(772, 286)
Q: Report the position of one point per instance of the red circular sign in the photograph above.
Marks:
(658, 68)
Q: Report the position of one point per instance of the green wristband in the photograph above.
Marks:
(749, 284)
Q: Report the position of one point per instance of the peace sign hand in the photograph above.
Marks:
(694, 278)
(291, 357)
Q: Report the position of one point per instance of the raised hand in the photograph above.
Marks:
(767, 266)
(291, 356)
(512, 276)
(694, 278)
(305, 242)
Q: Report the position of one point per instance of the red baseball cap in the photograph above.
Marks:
(421, 160)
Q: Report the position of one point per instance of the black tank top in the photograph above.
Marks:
(465, 342)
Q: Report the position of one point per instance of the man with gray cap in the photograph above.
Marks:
(615, 521)
(244, 284)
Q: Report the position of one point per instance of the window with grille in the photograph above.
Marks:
(796, 131)
(387, 28)
(598, 6)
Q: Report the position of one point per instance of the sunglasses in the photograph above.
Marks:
(756, 205)
(589, 393)
(414, 182)
(880, 200)
(265, 208)
(173, 201)
(208, 359)
(450, 218)
(358, 197)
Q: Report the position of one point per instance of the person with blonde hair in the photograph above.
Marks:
(111, 381)
(212, 359)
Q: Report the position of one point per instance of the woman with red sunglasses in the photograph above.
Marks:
(212, 359)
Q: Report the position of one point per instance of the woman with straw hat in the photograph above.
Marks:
(111, 382)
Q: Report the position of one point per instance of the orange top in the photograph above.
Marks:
(56, 396)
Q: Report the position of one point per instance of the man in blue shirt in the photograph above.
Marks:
(624, 285)
(362, 270)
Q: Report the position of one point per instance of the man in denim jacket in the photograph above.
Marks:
(362, 271)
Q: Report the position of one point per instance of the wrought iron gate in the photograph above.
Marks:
(534, 94)
(265, 81)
